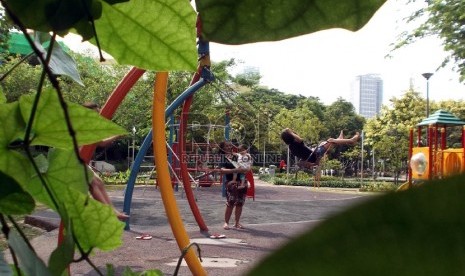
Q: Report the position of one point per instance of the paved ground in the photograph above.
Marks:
(277, 214)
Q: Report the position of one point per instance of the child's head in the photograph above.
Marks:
(242, 148)
(287, 137)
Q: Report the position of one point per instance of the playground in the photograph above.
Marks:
(431, 153)
(277, 214)
(176, 225)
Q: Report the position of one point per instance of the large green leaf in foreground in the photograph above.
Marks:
(246, 21)
(12, 162)
(30, 263)
(50, 129)
(95, 224)
(13, 199)
(63, 172)
(150, 34)
(417, 232)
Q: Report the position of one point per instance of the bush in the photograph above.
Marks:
(116, 178)
(307, 180)
(373, 186)
(265, 177)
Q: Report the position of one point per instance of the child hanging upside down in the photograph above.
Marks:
(308, 157)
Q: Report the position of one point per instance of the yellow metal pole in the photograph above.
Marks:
(163, 176)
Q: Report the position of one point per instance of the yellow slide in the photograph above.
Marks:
(403, 187)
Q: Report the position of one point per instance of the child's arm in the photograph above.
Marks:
(249, 162)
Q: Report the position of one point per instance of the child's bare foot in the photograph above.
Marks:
(239, 226)
(121, 216)
(355, 138)
(341, 135)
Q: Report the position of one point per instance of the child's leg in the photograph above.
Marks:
(306, 165)
(234, 177)
(98, 192)
(242, 179)
(343, 141)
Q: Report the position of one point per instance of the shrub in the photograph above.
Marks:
(330, 182)
(373, 186)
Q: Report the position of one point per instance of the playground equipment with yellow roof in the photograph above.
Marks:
(436, 156)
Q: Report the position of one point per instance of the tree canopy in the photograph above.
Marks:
(443, 19)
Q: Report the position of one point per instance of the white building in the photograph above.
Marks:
(367, 95)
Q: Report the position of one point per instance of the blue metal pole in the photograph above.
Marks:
(146, 145)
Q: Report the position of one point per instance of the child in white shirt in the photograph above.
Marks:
(244, 160)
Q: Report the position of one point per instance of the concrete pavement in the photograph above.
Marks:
(277, 214)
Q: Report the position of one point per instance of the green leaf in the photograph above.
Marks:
(95, 224)
(50, 127)
(111, 270)
(30, 263)
(64, 172)
(13, 199)
(416, 232)
(151, 272)
(247, 21)
(5, 268)
(153, 35)
(60, 62)
(41, 162)
(2, 96)
(53, 15)
(12, 126)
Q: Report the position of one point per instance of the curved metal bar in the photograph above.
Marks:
(163, 175)
(146, 145)
(183, 166)
(112, 103)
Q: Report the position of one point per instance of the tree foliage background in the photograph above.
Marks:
(443, 19)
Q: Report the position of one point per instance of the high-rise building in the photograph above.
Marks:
(367, 95)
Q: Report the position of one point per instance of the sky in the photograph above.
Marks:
(325, 64)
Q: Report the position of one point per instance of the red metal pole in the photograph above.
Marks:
(112, 103)
(443, 138)
(430, 151)
(463, 149)
(410, 152)
(204, 61)
(419, 144)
